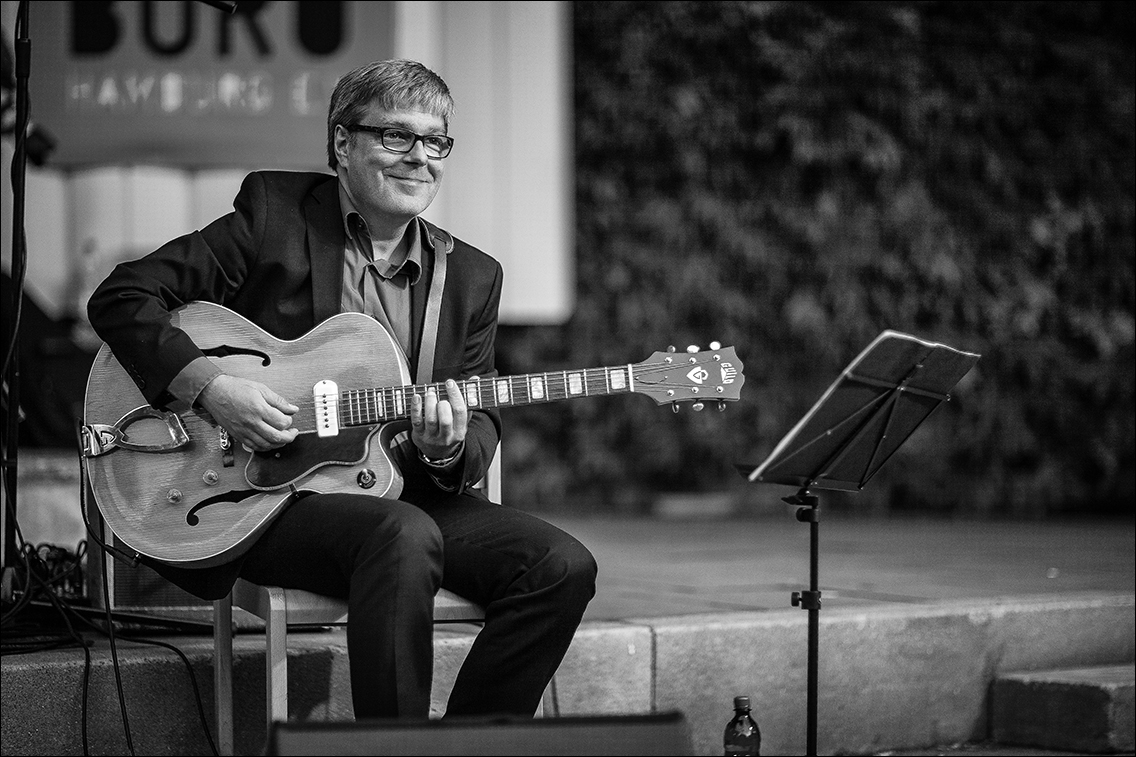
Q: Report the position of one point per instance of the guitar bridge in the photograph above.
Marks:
(226, 442)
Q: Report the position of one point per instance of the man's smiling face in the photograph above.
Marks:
(389, 187)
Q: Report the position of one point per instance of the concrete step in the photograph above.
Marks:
(891, 677)
(1089, 709)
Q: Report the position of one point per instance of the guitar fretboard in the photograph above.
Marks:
(360, 407)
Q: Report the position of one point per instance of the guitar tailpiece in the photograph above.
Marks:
(100, 438)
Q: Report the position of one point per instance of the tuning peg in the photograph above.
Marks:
(715, 345)
(674, 408)
(670, 348)
(693, 348)
(721, 406)
(697, 406)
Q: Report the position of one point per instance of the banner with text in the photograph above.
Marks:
(187, 84)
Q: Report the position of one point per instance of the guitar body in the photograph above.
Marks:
(202, 501)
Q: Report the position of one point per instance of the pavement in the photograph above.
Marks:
(653, 567)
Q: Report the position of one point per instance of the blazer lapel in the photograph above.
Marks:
(325, 249)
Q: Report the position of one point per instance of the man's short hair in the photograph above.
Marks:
(395, 85)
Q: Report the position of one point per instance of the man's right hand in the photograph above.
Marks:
(253, 414)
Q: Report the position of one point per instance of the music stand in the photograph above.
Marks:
(879, 400)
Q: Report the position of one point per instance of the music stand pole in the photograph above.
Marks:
(808, 511)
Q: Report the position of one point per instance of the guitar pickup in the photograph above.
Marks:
(326, 396)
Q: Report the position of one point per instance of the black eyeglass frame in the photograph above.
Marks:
(381, 131)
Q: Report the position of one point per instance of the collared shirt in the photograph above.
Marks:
(379, 287)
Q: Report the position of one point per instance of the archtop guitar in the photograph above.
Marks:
(176, 488)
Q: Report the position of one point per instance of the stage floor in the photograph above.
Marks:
(651, 567)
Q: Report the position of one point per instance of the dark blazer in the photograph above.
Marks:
(277, 259)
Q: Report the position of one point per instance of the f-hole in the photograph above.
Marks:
(225, 350)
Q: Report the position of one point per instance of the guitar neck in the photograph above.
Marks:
(361, 407)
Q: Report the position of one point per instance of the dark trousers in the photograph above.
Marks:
(389, 557)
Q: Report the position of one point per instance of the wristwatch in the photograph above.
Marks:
(441, 462)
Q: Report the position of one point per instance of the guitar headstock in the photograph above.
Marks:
(697, 376)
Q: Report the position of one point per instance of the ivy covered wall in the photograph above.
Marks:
(791, 178)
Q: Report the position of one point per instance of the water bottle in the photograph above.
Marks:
(742, 736)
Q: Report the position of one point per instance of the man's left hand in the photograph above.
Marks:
(438, 425)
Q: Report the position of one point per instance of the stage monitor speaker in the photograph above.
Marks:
(661, 734)
(133, 588)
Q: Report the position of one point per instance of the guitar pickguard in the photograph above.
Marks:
(308, 452)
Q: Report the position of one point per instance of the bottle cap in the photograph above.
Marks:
(741, 703)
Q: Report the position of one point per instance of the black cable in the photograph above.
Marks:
(45, 576)
(45, 587)
(108, 549)
(105, 550)
(40, 579)
(113, 645)
(10, 614)
(37, 578)
(84, 509)
(19, 245)
(44, 580)
(10, 368)
(188, 666)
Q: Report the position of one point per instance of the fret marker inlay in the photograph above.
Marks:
(575, 383)
(503, 395)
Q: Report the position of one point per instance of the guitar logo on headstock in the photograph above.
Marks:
(669, 377)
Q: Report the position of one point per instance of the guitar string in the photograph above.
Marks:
(556, 386)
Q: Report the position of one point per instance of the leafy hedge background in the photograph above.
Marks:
(791, 178)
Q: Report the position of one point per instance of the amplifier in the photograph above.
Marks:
(660, 734)
(131, 588)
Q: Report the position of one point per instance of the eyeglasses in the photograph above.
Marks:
(401, 140)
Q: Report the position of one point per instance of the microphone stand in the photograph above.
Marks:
(23, 55)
